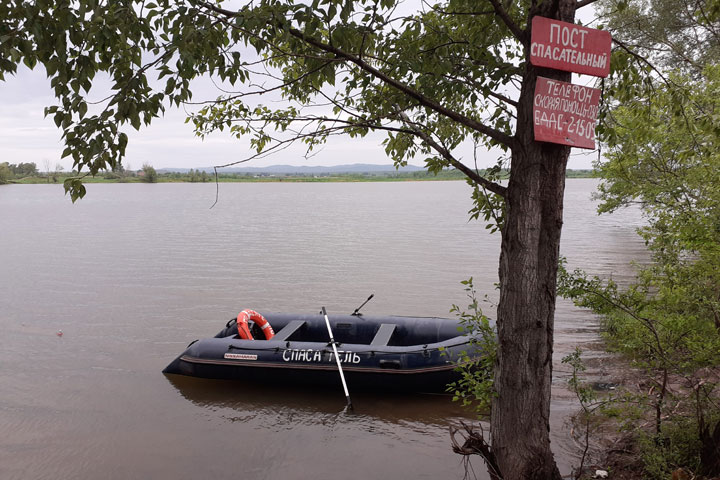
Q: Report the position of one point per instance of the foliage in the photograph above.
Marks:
(10, 171)
(428, 73)
(197, 176)
(585, 394)
(5, 173)
(679, 445)
(665, 157)
(669, 34)
(661, 131)
(475, 387)
(654, 38)
(21, 169)
(24, 169)
(648, 321)
(651, 322)
(112, 176)
(149, 174)
(587, 398)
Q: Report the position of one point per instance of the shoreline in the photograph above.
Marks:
(274, 178)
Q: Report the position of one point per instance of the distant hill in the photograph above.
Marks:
(304, 169)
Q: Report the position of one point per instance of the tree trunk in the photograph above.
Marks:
(520, 419)
(710, 450)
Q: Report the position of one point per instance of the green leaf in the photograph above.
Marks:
(74, 187)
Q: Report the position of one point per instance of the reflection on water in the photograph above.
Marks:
(279, 407)
(132, 273)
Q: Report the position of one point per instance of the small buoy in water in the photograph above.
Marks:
(59, 333)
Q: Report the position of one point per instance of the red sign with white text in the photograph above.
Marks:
(565, 113)
(569, 47)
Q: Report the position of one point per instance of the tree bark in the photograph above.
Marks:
(520, 417)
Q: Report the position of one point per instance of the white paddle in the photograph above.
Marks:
(337, 359)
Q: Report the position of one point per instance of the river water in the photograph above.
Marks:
(134, 272)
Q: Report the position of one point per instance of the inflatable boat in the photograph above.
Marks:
(412, 354)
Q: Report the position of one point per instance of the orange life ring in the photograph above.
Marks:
(244, 329)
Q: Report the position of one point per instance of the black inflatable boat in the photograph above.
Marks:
(412, 354)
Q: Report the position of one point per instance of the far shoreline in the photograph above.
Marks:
(197, 177)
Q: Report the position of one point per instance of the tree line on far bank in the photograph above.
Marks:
(10, 171)
(29, 173)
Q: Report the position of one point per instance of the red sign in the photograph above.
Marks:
(565, 113)
(569, 47)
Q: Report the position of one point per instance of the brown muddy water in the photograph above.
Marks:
(133, 273)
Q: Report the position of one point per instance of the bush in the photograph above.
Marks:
(5, 173)
(150, 175)
(677, 446)
(475, 386)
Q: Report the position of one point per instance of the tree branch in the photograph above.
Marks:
(494, 134)
(505, 17)
(448, 12)
(474, 443)
(642, 59)
(503, 98)
(470, 173)
(583, 3)
(263, 90)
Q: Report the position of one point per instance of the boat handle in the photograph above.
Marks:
(390, 364)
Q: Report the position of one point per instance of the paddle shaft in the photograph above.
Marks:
(337, 358)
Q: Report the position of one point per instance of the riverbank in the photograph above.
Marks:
(204, 177)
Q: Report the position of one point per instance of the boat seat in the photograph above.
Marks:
(288, 330)
(382, 337)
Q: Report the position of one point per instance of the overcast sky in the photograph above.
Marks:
(26, 136)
